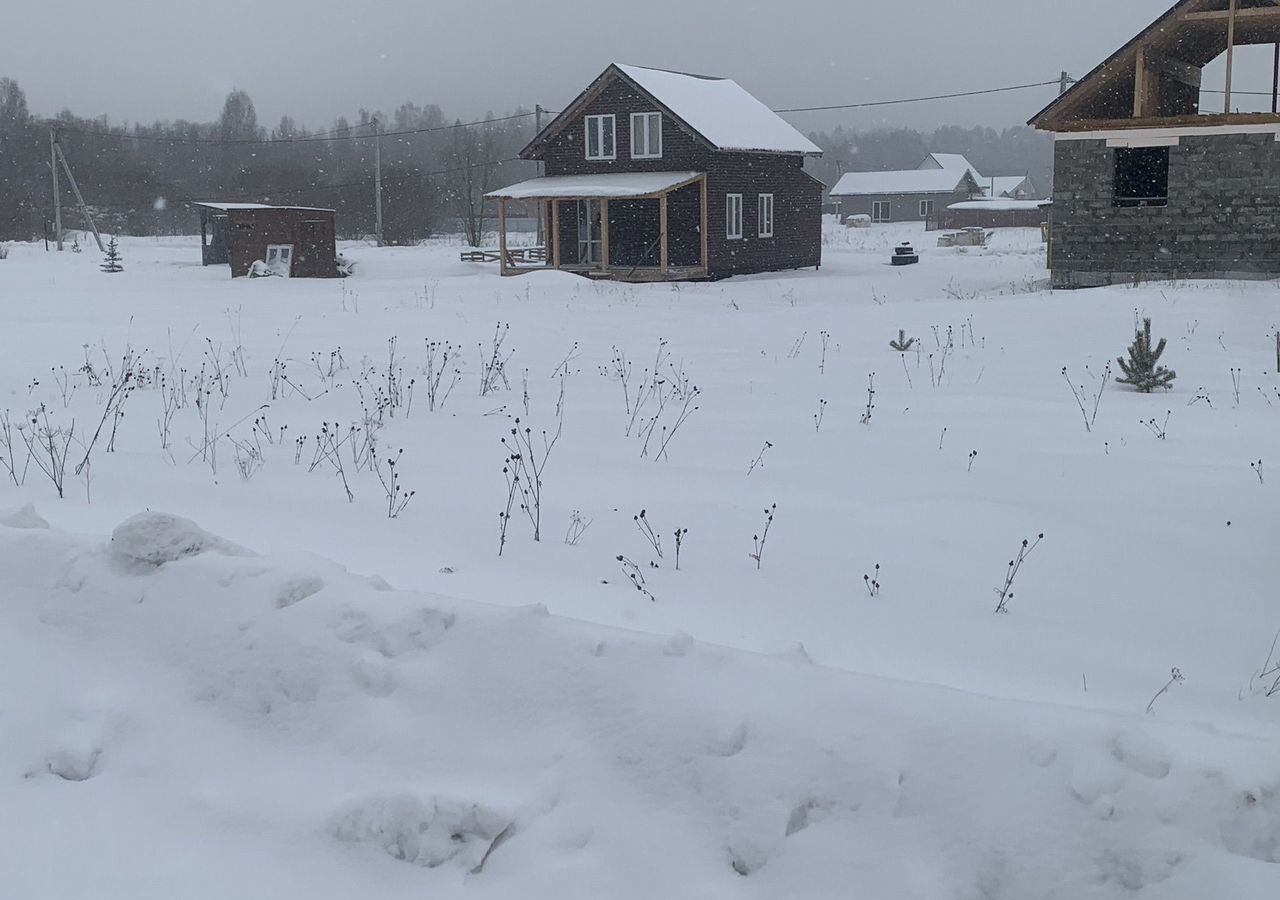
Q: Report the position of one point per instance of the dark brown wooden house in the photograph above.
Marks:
(662, 176)
(1159, 175)
(293, 241)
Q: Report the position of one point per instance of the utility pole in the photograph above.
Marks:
(1231, 52)
(541, 239)
(1064, 83)
(57, 199)
(377, 180)
(75, 189)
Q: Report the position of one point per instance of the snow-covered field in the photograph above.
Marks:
(309, 698)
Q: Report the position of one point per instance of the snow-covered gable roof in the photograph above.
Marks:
(716, 109)
(1004, 185)
(939, 173)
(721, 111)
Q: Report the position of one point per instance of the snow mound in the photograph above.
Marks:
(427, 833)
(157, 538)
(23, 517)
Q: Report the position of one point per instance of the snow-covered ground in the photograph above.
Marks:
(312, 698)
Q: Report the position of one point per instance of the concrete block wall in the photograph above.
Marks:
(1222, 219)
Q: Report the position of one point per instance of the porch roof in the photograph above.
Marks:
(613, 186)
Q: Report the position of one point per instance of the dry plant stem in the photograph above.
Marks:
(1175, 677)
(1005, 592)
(762, 538)
(654, 539)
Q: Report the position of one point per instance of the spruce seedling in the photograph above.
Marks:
(1142, 369)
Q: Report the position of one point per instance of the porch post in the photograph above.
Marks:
(604, 235)
(555, 233)
(663, 256)
(705, 258)
(502, 236)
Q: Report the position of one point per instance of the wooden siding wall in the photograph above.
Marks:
(253, 230)
(797, 240)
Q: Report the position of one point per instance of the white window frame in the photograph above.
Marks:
(926, 208)
(595, 125)
(642, 124)
(764, 215)
(733, 217)
(877, 206)
(283, 253)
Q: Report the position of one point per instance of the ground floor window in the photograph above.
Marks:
(766, 216)
(733, 217)
(926, 208)
(280, 259)
(880, 211)
(1142, 176)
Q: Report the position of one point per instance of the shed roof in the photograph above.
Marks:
(999, 204)
(228, 207)
(613, 186)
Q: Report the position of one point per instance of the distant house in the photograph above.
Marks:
(1147, 184)
(293, 241)
(657, 175)
(912, 195)
(1010, 187)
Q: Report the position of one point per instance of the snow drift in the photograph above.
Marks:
(183, 731)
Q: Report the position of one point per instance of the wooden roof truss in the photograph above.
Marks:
(1155, 79)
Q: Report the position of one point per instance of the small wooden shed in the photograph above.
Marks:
(294, 241)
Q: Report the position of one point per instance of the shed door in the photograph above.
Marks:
(312, 237)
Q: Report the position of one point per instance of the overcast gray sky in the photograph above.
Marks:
(316, 59)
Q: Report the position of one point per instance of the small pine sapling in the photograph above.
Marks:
(1005, 591)
(761, 538)
(112, 261)
(903, 344)
(1175, 677)
(680, 535)
(872, 582)
(1142, 369)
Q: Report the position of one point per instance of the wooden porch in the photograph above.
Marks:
(595, 254)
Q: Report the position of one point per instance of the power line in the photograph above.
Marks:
(999, 90)
(258, 142)
(412, 176)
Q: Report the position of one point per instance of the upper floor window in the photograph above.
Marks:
(733, 217)
(600, 138)
(766, 215)
(646, 135)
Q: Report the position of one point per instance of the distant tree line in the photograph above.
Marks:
(138, 179)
